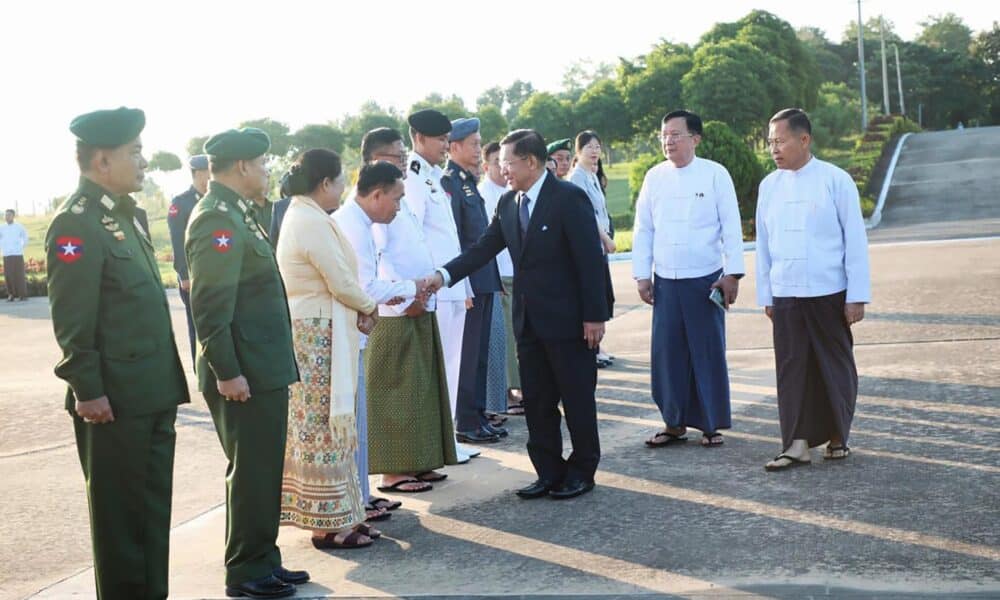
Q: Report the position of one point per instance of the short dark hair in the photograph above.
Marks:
(84, 154)
(491, 148)
(11, 211)
(527, 142)
(376, 139)
(797, 119)
(379, 174)
(692, 120)
(311, 168)
(584, 137)
(219, 165)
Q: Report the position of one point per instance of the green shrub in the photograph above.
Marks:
(721, 144)
(637, 172)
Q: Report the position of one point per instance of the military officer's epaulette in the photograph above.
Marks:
(461, 174)
(415, 166)
(450, 173)
(78, 203)
(218, 204)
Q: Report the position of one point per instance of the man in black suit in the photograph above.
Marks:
(561, 302)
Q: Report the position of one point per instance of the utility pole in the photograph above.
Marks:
(885, 70)
(861, 70)
(899, 81)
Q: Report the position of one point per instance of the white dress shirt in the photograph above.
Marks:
(811, 238)
(357, 227)
(431, 207)
(687, 222)
(13, 239)
(402, 254)
(491, 193)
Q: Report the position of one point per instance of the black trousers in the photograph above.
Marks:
(470, 406)
(14, 277)
(552, 370)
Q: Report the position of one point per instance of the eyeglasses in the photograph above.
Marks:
(505, 164)
(775, 142)
(675, 136)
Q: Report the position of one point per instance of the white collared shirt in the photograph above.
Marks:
(491, 193)
(532, 193)
(431, 208)
(402, 254)
(13, 239)
(811, 238)
(356, 225)
(687, 222)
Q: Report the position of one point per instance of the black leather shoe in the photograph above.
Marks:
(571, 489)
(265, 587)
(536, 490)
(480, 436)
(496, 430)
(292, 577)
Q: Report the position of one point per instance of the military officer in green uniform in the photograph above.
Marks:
(245, 358)
(110, 316)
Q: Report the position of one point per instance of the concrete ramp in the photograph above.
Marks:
(946, 185)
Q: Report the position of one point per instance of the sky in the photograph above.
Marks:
(198, 67)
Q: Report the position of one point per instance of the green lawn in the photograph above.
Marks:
(618, 194)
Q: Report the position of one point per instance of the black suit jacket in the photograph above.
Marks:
(560, 274)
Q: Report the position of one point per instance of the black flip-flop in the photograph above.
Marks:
(828, 454)
(395, 487)
(708, 439)
(796, 462)
(382, 516)
(431, 477)
(671, 439)
(385, 503)
(515, 410)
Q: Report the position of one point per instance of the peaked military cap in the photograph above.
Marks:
(238, 144)
(109, 128)
(556, 146)
(198, 162)
(463, 128)
(429, 122)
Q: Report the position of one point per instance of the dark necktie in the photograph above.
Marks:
(523, 214)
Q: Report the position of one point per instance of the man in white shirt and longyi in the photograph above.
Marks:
(813, 282)
(687, 241)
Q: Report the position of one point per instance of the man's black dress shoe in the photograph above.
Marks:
(571, 489)
(479, 436)
(496, 430)
(536, 490)
(265, 587)
(292, 577)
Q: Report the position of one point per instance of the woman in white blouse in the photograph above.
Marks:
(584, 175)
(320, 489)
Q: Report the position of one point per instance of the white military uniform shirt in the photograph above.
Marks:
(431, 208)
(687, 222)
(811, 238)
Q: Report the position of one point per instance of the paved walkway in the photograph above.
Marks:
(912, 513)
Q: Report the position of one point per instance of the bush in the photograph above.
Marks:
(623, 222)
(637, 172)
(721, 144)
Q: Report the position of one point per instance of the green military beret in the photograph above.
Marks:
(109, 128)
(556, 146)
(242, 144)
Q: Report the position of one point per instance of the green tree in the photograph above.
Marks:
(651, 86)
(986, 49)
(276, 130)
(949, 85)
(830, 65)
(582, 74)
(721, 144)
(837, 114)
(872, 28)
(548, 115)
(492, 124)
(371, 116)
(776, 38)
(452, 107)
(196, 145)
(515, 95)
(164, 162)
(637, 173)
(735, 81)
(946, 32)
(318, 136)
(491, 97)
(601, 108)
